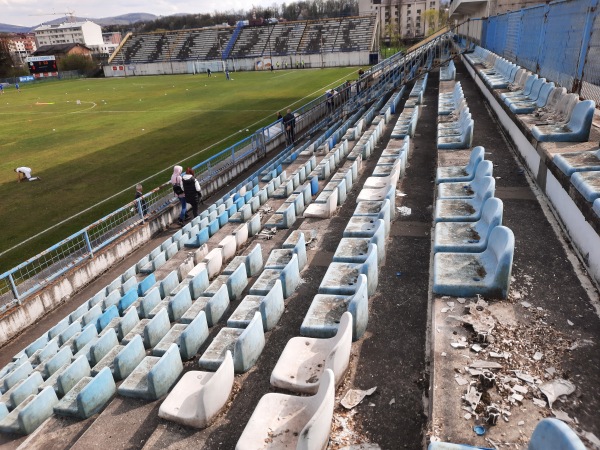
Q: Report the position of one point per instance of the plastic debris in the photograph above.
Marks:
(526, 304)
(538, 356)
(392, 401)
(476, 348)
(555, 388)
(538, 402)
(460, 380)
(479, 430)
(524, 376)
(354, 396)
(570, 323)
(473, 396)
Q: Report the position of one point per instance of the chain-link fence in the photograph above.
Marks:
(560, 41)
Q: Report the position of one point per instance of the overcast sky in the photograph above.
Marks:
(25, 12)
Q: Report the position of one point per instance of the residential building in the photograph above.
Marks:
(21, 45)
(403, 18)
(86, 33)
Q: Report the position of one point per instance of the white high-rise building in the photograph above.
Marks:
(86, 33)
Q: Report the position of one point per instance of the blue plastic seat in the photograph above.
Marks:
(469, 237)
(576, 130)
(461, 173)
(464, 209)
(466, 189)
(468, 274)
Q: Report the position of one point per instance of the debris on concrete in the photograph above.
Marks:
(404, 211)
(460, 380)
(555, 388)
(392, 401)
(354, 396)
(479, 430)
(561, 415)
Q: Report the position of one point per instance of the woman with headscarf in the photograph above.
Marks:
(191, 189)
(177, 183)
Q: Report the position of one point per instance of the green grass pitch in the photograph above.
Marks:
(120, 132)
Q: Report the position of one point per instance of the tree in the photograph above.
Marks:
(81, 63)
(434, 20)
(6, 62)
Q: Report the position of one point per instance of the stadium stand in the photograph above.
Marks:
(317, 215)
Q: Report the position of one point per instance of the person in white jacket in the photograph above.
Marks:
(191, 188)
(24, 173)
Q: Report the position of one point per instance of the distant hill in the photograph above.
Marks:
(124, 19)
(6, 28)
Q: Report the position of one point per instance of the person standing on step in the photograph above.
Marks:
(177, 183)
(142, 201)
(289, 122)
(191, 189)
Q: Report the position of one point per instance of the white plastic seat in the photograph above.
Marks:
(286, 421)
(303, 360)
(199, 396)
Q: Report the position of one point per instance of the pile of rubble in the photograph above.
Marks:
(511, 362)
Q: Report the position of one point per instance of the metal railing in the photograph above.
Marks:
(33, 274)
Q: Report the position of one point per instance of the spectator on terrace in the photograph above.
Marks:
(329, 96)
(289, 121)
(142, 202)
(191, 189)
(24, 173)
(177, 183)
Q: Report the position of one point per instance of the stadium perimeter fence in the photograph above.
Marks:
(37, 272)
(559, 41)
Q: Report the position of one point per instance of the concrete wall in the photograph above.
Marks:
(318, 60)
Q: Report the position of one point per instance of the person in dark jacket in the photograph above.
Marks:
(142, 201)
(191, 189)
(289, 122)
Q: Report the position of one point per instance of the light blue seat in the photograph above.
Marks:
(468, 274)
(279, 258)
(596, 206)
(576, 130)
(364, 225)
(31, 413)
(324, 314)
(342, 278)
(38, 344)
(549, 434)
(154, 376)
(51, 365)
(448, 72)
(128, 299)
(122, 360)
(188, 337)
(521, 92)
(104, 319)
(531, 96)
(464, 209)
(123, 325)
(69, 332)
(253, 262)
(283, 218)
(70, 376)
(247, 346)
(355, 249)
(527, 107)
(569, 163)
(289, 277)
(270, 306)
(88, 396)
(20, 391)
(461, 173)
(146, 284)
(466, 189)
(198, 239)
(59, 328)
(469, 237)
(213, 306)
(463, 140)
(176, 304)
(446, 129)
(588, 184)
